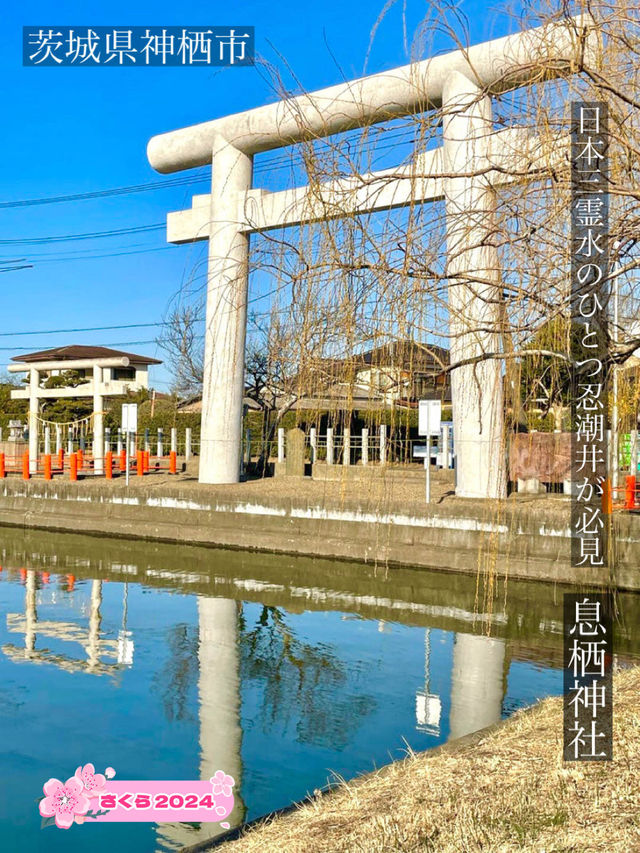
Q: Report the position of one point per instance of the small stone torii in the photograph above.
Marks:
(97, 390)
(473, 160)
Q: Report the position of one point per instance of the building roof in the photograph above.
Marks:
(408, 355)
(402, 354)
(77, 351)
(194, 405)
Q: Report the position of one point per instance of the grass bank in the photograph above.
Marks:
(506, 790)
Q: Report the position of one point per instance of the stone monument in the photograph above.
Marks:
(16, 444)
(294, 458)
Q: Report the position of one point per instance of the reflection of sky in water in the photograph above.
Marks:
(318, 692)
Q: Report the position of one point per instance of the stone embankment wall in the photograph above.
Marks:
(526, 540)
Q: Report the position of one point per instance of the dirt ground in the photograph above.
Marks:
(394, 488)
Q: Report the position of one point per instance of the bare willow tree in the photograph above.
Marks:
(324, 293)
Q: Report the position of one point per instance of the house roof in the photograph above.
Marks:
(194, 405)
(77, 351)
(404, 355)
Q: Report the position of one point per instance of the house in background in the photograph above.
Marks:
(396, 374)
(193, 405)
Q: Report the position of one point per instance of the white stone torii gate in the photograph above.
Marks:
(96, 389)
(473, 160)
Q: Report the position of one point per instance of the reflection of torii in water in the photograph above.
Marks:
(477, 686)
(219, 714)
(121, 650)
(219, 683)
(477, 683)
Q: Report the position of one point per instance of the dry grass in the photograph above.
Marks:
(508, 791)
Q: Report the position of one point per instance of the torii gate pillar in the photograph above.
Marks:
(226, 318)
(473, 291)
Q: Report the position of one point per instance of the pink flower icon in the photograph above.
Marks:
(63, 801)
(222, 783)
(92, 782)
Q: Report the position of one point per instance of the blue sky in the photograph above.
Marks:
(74, 130)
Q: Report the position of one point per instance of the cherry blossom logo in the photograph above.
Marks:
(66, 803)
(222, 783)
(92, 782)
(91, 795)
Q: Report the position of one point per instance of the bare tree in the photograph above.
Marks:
(345, 282)
(182, 340)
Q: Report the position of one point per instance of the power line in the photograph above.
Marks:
(266, 165)
(169, 183)
(81, 257)
(15, 269)
(280, 161)
(92, 235)
(158, 324)
(116, 344)
(88, 329)
(135, 188)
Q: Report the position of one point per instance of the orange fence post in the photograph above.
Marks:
(61, 459)
(147, 453)
(630, 492)
(25, 465)
(3, 472)
(47, 466)
(73, 466)
(139, 463)
(607, 497)
(108, 465)
(173, 462)
(123, 460)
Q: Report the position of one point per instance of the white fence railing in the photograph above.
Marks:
(368, 446)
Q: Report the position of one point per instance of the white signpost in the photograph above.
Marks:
(129, 428)
(429, 416)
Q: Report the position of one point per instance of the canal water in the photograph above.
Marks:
(170, 662)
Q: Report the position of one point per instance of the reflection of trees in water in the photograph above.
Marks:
(179, 677)
(300, 680)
